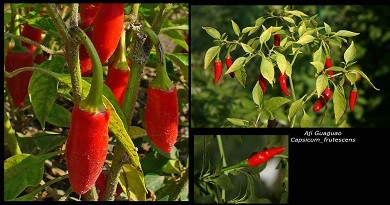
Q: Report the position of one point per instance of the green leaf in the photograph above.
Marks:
(350, 53)
(351, 77)
(154, 162)
(283, 42)
(257, 94)
(237, 64)
(266, 35)
(346, 33)
(335, 40)
(247, 29)
(210, 55)
(302, 29)
(181, 60)
(267, 70)
(337, 68)
(275, 28)
(339, 103)
(133, 184)
(154, 182)
(367, 79)
(43, 89)
(281, 62)
(212, 32)
(275, 102)
(47, 141)
(328, 29)
(238, 122)
(247, 48)
(236, 28)
(297, 13)
(288, 68)
(318, 65)
(240, 75)
(319, 55)
(294, 108)
(288, 19)
(44, 23)
(172, 31)
(259, 21)
(321, 84)
(306, 120)
(305, 39)
(224, 182)
(21, 171)
(59, 116)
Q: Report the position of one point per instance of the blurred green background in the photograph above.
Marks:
(211, 104)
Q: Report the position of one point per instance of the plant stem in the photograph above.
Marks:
(91, 194)
(222, 155)
(10, 138)
(94, 100)
(292, 84)
(72, 51)
(38, 45)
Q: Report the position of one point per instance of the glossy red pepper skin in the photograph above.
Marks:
(85, 59)
(33, 34)
(352, 99)
(162, 118)
(263, 83)
(88, 13)
(229, 62)
(328, 64)
(101, 184)
(321, 102)
(117, 80)
(217, 71)
(86, 148)
(283, 84)
(277, 40)
(18, 85)
(107, 29)
(264, 156)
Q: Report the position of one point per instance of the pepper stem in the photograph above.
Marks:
(121, 61)
(94, 101)
(161, 81)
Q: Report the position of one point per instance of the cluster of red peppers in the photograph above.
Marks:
(105, 22)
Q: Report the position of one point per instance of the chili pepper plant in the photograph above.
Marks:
(274, 42)
(95, 102)
(241, 169)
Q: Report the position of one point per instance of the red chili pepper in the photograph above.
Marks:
(107, 29)
(320, 103)
(88, 13)
(328, 64)
(101, 184)
(87, 144)
(283, 84)
(85, 59)
(33, 34)
(264, 156)
(116, 80)
(277, 40)
(161, 117)
(229, 62)
(86, 148)
(263, 83)
(352, 98)
(18, 85)
(217, 70)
